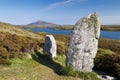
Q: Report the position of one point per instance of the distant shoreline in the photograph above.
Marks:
(103, 27)
(110, 27)
(70, 27)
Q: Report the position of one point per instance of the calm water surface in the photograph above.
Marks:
(104, 34)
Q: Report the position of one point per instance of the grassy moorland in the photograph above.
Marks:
(16, 44)
(113, 45)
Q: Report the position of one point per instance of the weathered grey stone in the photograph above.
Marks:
(83, 43)
(50, 46)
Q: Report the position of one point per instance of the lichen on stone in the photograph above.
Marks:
(93, 20)
(83, 44)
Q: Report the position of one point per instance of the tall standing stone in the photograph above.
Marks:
(50, 46)
(83, 43)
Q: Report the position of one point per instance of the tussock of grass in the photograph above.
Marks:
(85, 76)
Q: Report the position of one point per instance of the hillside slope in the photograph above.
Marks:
(5, 27)
(14, 43)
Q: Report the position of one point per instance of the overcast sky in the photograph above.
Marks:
(22, 12)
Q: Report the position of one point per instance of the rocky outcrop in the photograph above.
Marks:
(50, 46)
(83, 43)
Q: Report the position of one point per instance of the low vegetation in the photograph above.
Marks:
(14, 46)
(4, 27)
(15, 43)
(85, 76)
(113, 45)
(107, 61)
(32, 69)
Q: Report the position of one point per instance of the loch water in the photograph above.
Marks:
(104, 34)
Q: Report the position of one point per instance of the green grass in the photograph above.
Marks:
(30, 69)
(83, 75)
(104, 51)
(61, 60)
(42, 67)
(68, 71)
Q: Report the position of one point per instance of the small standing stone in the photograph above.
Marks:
(83, 43)
(50, 46)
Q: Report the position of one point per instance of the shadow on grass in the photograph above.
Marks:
(47, 61)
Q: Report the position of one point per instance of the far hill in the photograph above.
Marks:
(42, 23)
